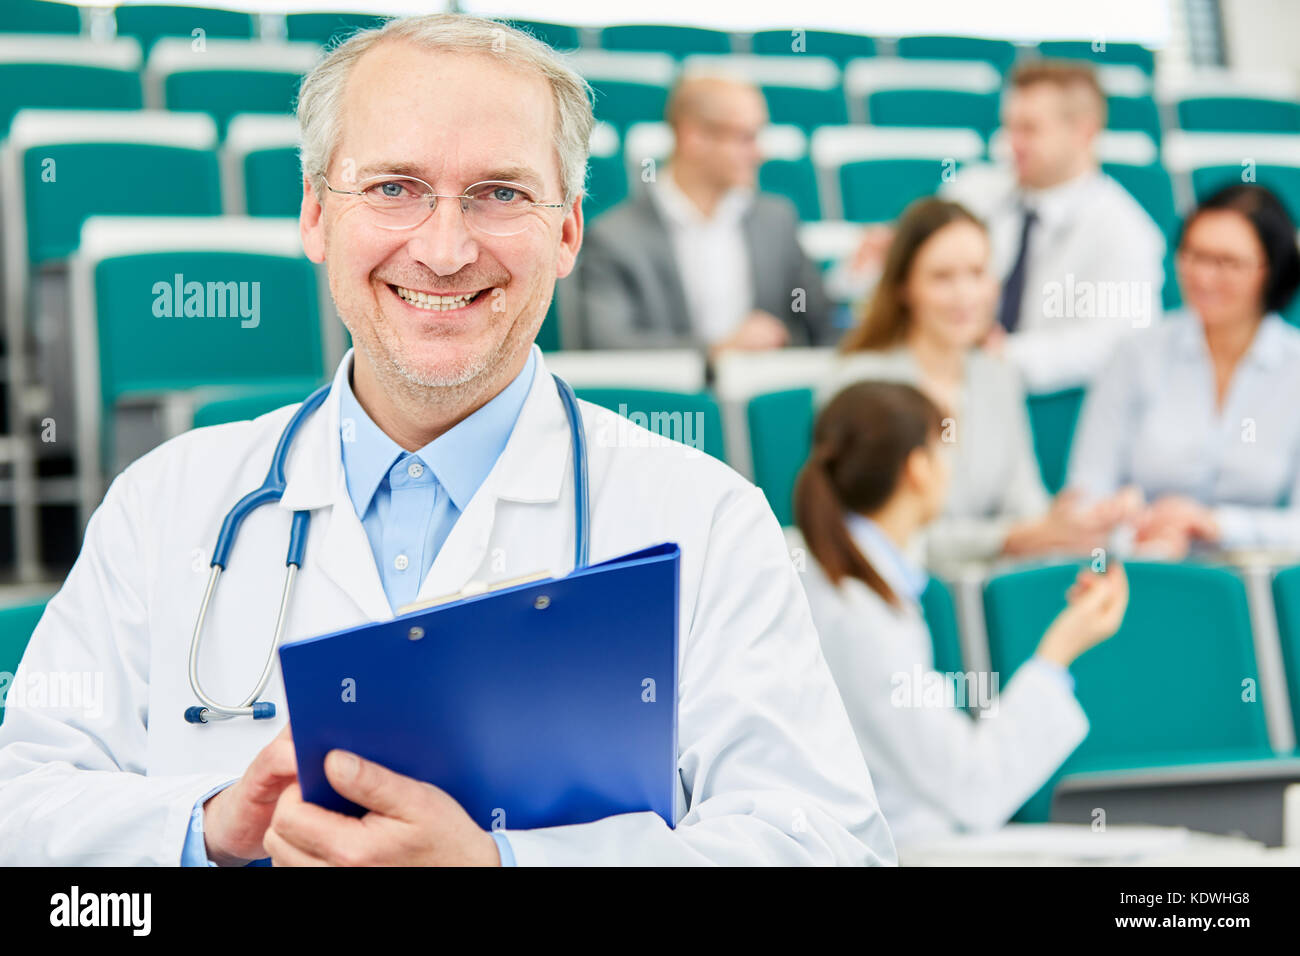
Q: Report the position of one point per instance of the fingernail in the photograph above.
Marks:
(346, 763)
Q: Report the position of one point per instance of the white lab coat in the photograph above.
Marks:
(768, 770)
(937, 771)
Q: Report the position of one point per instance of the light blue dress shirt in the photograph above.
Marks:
(1150, 419)
(408, 503)
(911, 580)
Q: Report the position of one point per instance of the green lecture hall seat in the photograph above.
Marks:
(150, 22)
(40, 16)
(238, 404)
(1000, 53)
(224, 93)
(283, 350)
(840, 47)
(326, 28)
(1238, 114)
(56, 211)
(797, 181)
(689, 417)
(948, 108)
(677, 40)
(1119, 54)
(624, 102)
(1286, 601)
(272, 182)
(66, 86)
(1151, 186)
(941, 617)
(559, 36)
(877, 190)
(805, 107)
(17, 621)
(1169, 688)
(1134, 113)
(1052, 419)
(780, 437)
(606, 184)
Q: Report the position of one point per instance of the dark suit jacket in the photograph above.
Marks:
(626, 291)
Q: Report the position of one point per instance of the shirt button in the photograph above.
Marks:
(400, 562)
(415, 469)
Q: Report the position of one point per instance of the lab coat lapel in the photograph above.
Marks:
(314, 481)
(530, 470)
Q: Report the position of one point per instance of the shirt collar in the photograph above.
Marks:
(682, 211)
(1265, 349)
(1056, 203)
(900, 572)
(460, 457)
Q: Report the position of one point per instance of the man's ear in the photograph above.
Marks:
(570, 239)
(310, 224)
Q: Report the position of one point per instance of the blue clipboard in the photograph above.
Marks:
(543, 704)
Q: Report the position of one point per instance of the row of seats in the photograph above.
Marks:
(1179, 684)
(150, 21)
(224, 76)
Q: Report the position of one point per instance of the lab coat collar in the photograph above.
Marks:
(531, 470)
(314, 471)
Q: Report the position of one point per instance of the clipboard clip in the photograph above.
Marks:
(474, 589)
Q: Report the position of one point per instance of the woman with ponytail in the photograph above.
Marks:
(877, 476)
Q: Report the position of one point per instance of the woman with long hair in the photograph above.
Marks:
(933, 305)
(878, 474)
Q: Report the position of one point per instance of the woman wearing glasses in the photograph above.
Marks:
(1191, 433)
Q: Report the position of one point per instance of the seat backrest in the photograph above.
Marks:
(1286, 601)
(67, 73)
(68, 166)
(17, 621)
(692, 418)
(780, 436)
(1177, 683)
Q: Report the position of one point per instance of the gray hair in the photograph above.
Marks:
(320, 99)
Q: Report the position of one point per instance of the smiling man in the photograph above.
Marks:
(443, 161)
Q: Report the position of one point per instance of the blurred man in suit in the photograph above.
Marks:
(698, 257)
(1081, 261)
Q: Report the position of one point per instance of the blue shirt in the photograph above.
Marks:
(408, 503)
(1151, 419)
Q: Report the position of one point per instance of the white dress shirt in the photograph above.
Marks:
(712, 257)
(936, 770)
(1094, 271)
(1151, 420)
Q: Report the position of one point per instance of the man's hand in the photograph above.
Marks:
(760, 330)
(235, 820)
(410, 823)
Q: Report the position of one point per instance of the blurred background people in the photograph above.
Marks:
(879, 472)
(1193, 427)
(698, 257)
(1058, 223)
(933, 305)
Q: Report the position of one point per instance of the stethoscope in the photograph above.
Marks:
(270, 492)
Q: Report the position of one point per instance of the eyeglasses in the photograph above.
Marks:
(404, 202)
(1230, 264)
